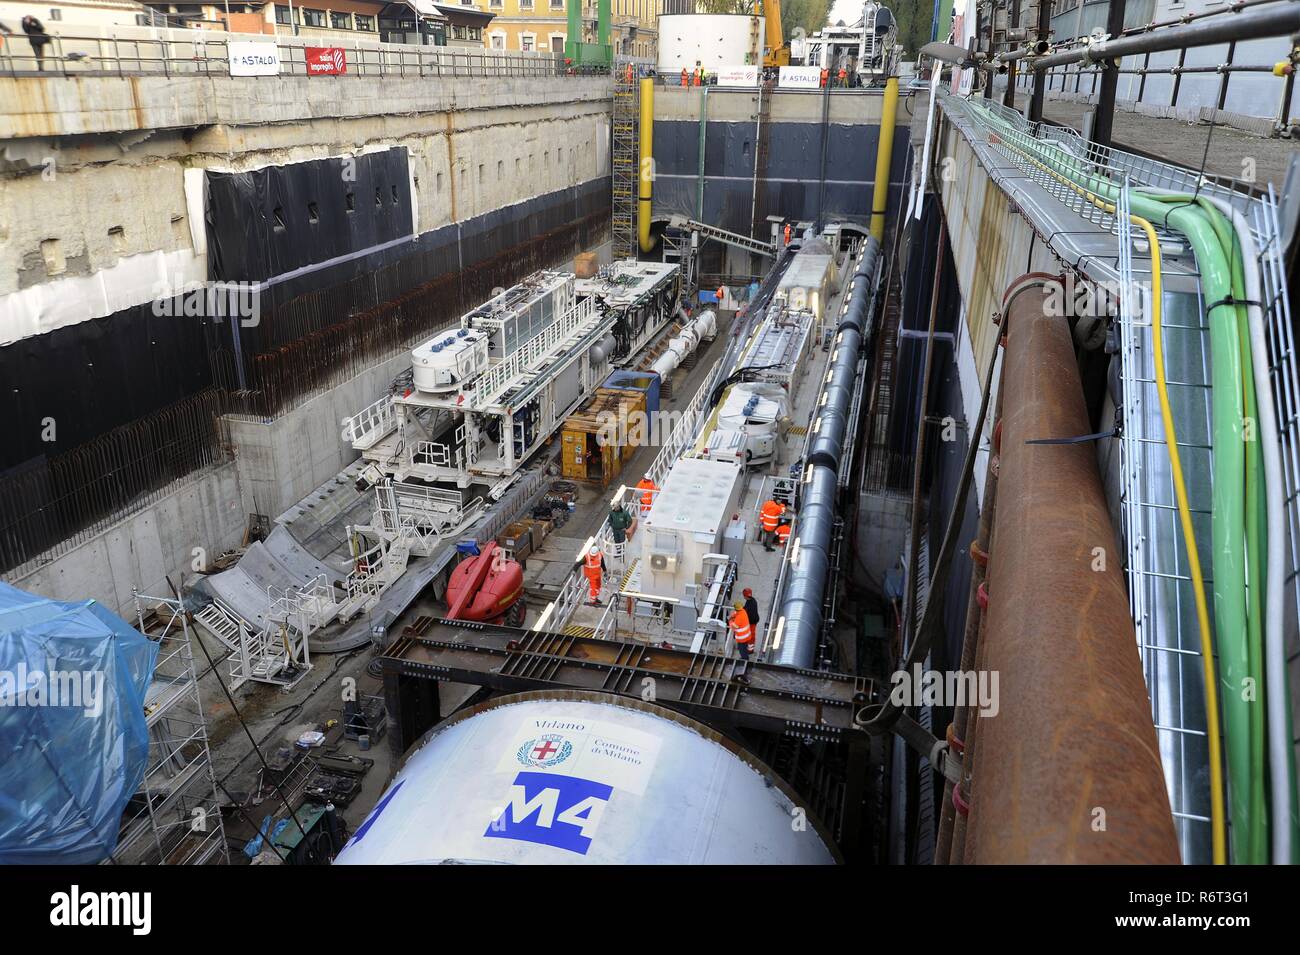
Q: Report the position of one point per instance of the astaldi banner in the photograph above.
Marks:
(326, 61)
(739, 75)
(800, 78)
(253, 58)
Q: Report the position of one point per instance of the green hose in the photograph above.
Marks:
(1256, 545)
(1229, 544)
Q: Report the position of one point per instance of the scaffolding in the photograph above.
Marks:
(624, 162)
(175, 816)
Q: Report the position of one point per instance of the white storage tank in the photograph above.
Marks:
(566, 776)
(710, 40)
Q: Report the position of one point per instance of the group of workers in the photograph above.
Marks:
(841, 78)
(696, 77)
(774, 528)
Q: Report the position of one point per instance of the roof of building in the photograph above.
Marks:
(470, 15)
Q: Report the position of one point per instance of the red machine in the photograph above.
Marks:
(487, 588)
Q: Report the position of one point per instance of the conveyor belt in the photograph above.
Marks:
(806, 704)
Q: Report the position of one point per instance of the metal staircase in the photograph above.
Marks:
(706, 231)
(623, 161)
(276, 653)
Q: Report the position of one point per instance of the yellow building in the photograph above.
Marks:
(542, 25)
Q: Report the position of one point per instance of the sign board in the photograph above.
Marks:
(326, 60)
(739, 75)
(253, 58)
(800, 78)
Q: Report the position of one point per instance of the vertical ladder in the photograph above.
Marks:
(762, 146)
(624, 163)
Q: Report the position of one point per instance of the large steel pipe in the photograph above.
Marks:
(1270, 20)
(1068, 770)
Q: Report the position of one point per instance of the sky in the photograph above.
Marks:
(850, 11)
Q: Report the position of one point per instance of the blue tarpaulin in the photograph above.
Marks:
(73, 740)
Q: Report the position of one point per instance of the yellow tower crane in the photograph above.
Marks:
(776, 52)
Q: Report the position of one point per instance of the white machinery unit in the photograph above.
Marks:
(749, 420)
(808, 281)
(643, 296)
(686, 523)
(484, 397)
(710, 40)
(442, 364)
(863, 49)
(778, 351)
(514, 317)
(596, 779)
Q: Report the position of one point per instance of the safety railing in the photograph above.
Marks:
(306, 608)
(1206, 89)
(485, 389)
(138, 52)
(435, 454)
(370, 424)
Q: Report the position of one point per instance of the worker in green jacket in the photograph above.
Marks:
(619, 521)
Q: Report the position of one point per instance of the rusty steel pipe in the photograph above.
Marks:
(1068, 771)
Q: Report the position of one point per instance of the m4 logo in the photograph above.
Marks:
(553, 810)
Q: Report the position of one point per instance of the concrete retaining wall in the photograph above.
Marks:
(206, 512)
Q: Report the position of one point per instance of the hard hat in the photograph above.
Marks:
(748, 592)
(739, 605)
(594, 550)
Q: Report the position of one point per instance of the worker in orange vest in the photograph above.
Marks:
(699, 75)
(843, 77)
(826, 77)
(629, 73)
(783, 534)
(788, 233)
(770, 518)
(686, 78)
(593, 568)
(647, 488)
(742, 630)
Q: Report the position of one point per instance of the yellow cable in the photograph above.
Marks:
(1218, 837)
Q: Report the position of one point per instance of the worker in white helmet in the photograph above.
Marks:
(593, 568)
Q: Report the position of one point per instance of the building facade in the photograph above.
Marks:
(60, 17)
(543, 25)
